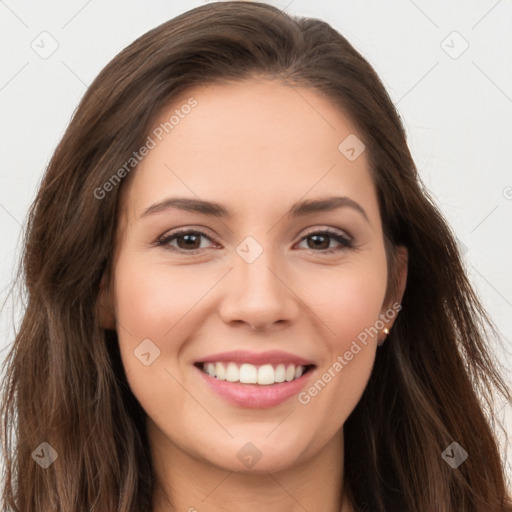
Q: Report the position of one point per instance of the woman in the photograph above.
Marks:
(239, 295)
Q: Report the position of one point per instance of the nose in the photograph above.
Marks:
(258, 295)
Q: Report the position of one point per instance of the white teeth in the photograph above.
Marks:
(250, 374)
(265, 374)
(232, 373)
(280, 373)
(290, 372)
(220, 371)
(210, 369)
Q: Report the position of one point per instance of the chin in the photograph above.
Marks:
(257, 454)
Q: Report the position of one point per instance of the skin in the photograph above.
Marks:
(256, 147)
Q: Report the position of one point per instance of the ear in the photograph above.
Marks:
(398, 290)
(402, 260)
(105, 307)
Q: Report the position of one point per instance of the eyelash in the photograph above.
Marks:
(345, 241)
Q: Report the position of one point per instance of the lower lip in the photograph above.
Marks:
(256, 396)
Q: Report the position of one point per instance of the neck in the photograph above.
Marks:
(185, 483)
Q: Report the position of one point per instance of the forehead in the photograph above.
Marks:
(251, 144)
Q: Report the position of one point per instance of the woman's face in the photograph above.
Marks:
(240, 280)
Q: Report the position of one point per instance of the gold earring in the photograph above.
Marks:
(386, 332)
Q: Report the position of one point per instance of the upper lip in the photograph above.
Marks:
(256, 358)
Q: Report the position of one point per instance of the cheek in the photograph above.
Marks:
(152, 301)
(349, 306)
(350, 300)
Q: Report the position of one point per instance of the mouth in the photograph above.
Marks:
(246, 373)
(256, 380)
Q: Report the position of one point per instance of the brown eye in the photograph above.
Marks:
(189, 241)
(320, 241)
(185, 241)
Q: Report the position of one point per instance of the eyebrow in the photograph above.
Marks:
(299, 209)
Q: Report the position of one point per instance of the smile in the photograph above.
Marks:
(246, 373)
(255, 380)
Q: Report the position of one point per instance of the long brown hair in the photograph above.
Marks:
(432, 381)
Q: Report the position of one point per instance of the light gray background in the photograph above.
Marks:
(456, 109)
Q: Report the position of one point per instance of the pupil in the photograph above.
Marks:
(316, 237)
(188, 239)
